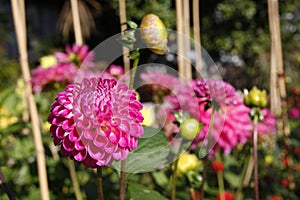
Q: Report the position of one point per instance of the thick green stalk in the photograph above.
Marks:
(210, 130)
(99, 183)
(239, 194)
(220, 180)
(122, 173)
(133, 72)
(174, 177)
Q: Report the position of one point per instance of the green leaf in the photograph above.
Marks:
(137, 192)
(151, 154)
(160, 178)
(233, 179)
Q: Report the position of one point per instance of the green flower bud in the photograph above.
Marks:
(255, 98)
(154, 34)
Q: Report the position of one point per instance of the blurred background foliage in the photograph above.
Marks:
(234, 32)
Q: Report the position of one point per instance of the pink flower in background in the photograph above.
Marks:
(77, 55)
(116, 71)
(294, 113)
(268, 125)
(160, 81)
(96, 121)
(231, 120)
(59, 73)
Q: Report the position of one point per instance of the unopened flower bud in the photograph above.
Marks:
(154, 34)
(48, 61)
(255, 98)
(187, 162)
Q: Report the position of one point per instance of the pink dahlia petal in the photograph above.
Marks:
(91, 120)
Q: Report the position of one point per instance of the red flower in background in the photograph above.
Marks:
(276, 198)
(217, 166)
(227, 196)
(285, 182)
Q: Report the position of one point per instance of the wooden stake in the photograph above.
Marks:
(277, 79)
(18, 10)
(197, 38)
(76, 22)
(122, 12)
(187, 40)
(179, 27)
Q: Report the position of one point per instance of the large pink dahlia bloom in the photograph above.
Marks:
(96, 121)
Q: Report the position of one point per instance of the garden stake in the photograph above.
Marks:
(277, 73)
(18, 10)
(255, 120)
(79, 41)
(179, 27)
(197, 36)
(76, 22)
(123, 19)
(74, 179)
(187, 40)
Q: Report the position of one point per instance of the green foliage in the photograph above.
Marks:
(151, 153)
(136, 10)
(137, 191)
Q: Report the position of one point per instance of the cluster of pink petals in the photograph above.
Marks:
(66, 68)
(76, 54)
(160, 81)
(96, 121)
(59, 73)
(232, 124)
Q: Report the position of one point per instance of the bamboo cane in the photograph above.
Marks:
(187, 40)
(18, 10)
(197, 37)
(122, 12)
(179, 27)
(277, 79)
(76, 22)
(79, 41)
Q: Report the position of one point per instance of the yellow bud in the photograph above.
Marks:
(48, 61)
(187, 162)
(154, 34)
(269, 159)
(255, 98)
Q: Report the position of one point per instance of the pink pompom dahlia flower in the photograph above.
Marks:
(96, 121)
(231, 121)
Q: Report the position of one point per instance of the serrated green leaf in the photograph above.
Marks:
(138, 192)
(151, 154)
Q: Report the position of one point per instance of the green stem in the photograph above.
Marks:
(133, 72)
(239, 194)
(255, 135)
(122, 181)
(173, 193)
(122, 173)
(211, 127)
(99, 183)
(210, 130)
(5, 187)
(74, 179)
(220, 180)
